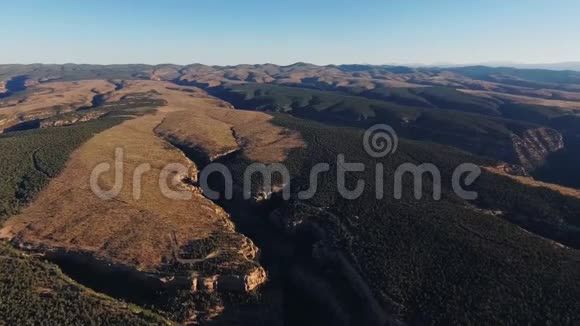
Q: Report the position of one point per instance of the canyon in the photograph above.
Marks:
(205, 261)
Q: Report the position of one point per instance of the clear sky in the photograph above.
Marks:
(283, 32)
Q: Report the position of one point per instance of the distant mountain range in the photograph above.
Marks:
(571, 65)
(508, 256)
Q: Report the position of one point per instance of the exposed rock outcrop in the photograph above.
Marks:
(512, 169)
(534, 145)
(16, 122)
(70, 119)
(248, 249)
(235, 268)
(245, 282)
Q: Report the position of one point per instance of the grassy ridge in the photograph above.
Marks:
(397, 106)
(33, 292)
(393, 106)
(31, 158)
(520, 77)
(431, 97)
(75, 72)
(482, 134)
(313, 103)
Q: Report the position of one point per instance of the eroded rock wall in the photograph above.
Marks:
(534, 145)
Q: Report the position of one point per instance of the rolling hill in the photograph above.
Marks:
(509, 256)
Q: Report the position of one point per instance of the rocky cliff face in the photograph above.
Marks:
(243, 282)
(12, 123)
(240, 272)
(534, 145)
(70, 119)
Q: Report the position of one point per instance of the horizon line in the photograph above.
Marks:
(393, 64)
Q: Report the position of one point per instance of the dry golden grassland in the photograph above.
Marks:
(210, 124)
(47, 99)
(520, 99)
(529, 181)
(220, 130)
(139, 230)
(175, 95)
(126, 230)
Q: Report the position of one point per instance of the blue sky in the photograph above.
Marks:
(283, 32)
